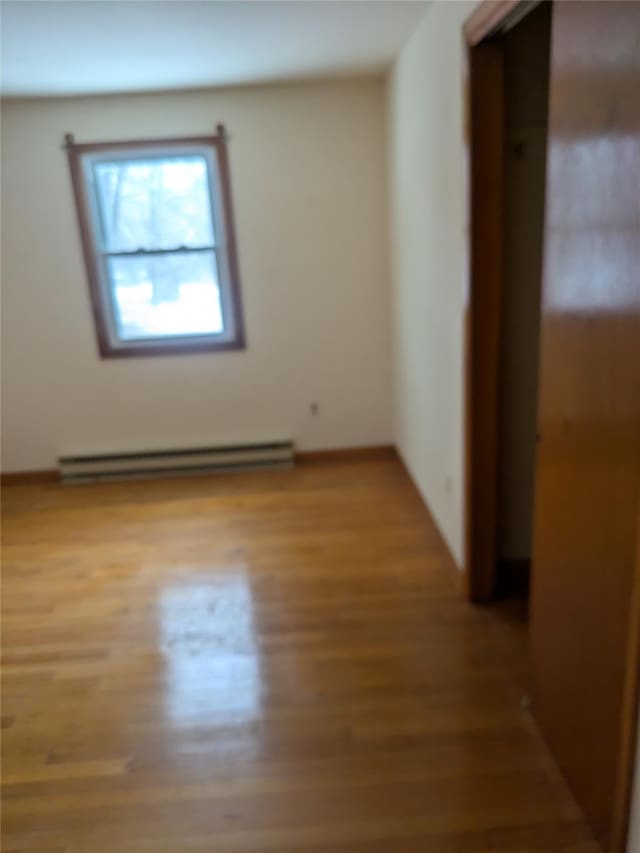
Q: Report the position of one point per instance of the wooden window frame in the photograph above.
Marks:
(225, 248)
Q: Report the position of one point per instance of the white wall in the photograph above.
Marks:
(308, 169)
(428, 260)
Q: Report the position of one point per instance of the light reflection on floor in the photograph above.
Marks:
(212, 658)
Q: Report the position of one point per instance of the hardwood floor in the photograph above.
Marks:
(273, 662)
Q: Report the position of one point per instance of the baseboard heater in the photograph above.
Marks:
(162, 463)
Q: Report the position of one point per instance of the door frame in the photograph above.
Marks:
(485, 203)
(484, 122)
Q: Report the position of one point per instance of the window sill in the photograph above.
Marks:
(107, 350)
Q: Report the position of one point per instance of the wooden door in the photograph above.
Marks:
(588, 470)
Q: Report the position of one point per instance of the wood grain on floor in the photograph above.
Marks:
(269, 662)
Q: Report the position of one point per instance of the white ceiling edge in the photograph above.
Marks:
(355, 76)
(107, 47)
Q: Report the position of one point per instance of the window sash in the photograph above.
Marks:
(107, 285)
(129, 158)
(229, 328)
(171, 337)
(97, 256)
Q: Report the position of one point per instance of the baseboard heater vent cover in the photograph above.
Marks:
(161, 463)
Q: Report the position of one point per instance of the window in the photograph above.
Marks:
(157, 234)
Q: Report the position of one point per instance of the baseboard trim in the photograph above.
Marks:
(29, 478)
(457, 572)
(303, 457)
(345, 454)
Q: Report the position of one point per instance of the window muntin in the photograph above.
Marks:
(160, 256)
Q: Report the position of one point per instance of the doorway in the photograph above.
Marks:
(559, 493)
(509, 90)
(526, 96)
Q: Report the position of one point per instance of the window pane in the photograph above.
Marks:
(156, 296)
(155, 203)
